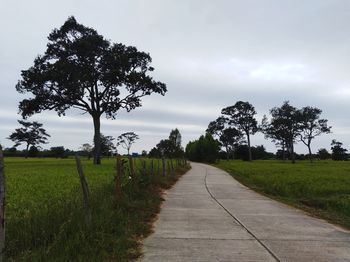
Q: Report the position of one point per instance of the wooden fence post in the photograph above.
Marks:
(85, 188)
(118, 177)
(131, 169)
(163, 165)
(2, 206)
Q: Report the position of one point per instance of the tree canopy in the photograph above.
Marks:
(81, 69)
(242, 117)
(126, 140)
(30, 134)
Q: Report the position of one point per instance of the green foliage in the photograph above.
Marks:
(323, 186)
(126, 140)
(205, 149)
(338, 152)
(45, 217)
(170, 147)
(83, 70)
(30, 134)
(323, 154)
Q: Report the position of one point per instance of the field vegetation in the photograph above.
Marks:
(45, 219)
(321, 187)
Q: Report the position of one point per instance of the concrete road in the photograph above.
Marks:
(209, 216)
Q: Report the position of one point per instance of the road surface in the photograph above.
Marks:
(209, 216)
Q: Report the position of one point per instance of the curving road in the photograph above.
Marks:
(209, 216)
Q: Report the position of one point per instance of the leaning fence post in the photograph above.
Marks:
(2, 206)
(85, 189)
(118, 177)
(163, 166)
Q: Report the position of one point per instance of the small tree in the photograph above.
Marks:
(242, 116)
(81, 69)
(338, 152)
(126, 140)
(323, 154)
(312, 126)
(230, 139)
(87, 149)
(31, 134)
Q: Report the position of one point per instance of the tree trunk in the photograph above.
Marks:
(27, 151)
(249, 149)
(97, 140)
(292, 152)
(2, 206)
(310, 153)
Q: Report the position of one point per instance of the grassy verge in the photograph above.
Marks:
(45, 220)
(321, 188)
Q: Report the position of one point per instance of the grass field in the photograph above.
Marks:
(322, 187)
(45, 216)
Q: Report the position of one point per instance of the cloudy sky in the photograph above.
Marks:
(209, 53)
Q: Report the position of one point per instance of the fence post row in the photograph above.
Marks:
(2, 206)
(85, 188)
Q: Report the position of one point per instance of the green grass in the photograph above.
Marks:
(45, 217)
(321, 187)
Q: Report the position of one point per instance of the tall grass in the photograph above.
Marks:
(45, 216)
(321, 187)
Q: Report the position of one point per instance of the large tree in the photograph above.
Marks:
(312, 126)
(126, 140)
(30, 134)
(81, 69)
(285, 126)
(242, 116)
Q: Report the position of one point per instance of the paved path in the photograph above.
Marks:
(209, 216)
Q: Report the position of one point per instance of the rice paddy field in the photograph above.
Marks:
(321, 188)
(45, 219)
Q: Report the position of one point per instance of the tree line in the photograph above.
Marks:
(286, 126)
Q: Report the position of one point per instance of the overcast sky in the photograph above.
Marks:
(209, 53)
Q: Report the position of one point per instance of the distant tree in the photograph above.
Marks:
(144, 153)
(170, 147)
(242, 116)
(284, 126)
(81, 69)
(154, 153)
(126, 140)
(312, 126)
(165, 147)
(31, 134)
(107, 145)
(229, 137)
(205, 149)
(323, 154)
(87, 149)
(58, 151)
(175, 139)
(338, 152)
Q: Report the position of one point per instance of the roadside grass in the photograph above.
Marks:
(45, 217)
(321, 188)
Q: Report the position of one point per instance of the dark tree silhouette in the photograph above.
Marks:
(229, 137)
(285, 126)
(80, 69)
(242, 116)
(126, 140)
(312, 126)
(338, 152)
(175, 139)
(31, 134)
(107, 145)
